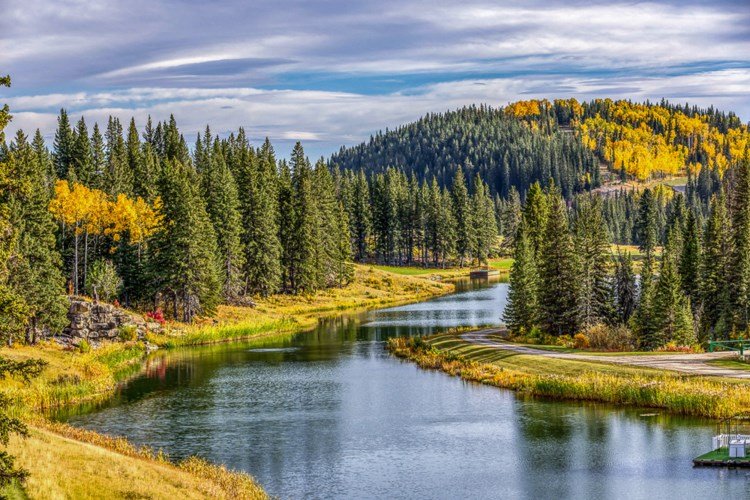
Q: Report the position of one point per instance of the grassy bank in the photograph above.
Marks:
(66, 462)
(576, 380)
(70, 463)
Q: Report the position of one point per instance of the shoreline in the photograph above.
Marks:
(75, 378)
(576, 380)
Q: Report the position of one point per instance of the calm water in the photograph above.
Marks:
(329, 414)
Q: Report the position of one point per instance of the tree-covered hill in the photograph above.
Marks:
(564, 140)
(503, 149)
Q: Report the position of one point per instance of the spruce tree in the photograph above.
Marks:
(44, 160)
(464, 216)
(306, 269)
(360, 215)
(286, 222)
(558, 272)
(671, 308)
(483, 224)
(64, 141)
(118, 178)
(535, 214)
(690, 258)
(625, 288)
(741, 245)
(260, 217)
(643, 320)
(222, 205)
(592, 248)
(716, 272)
(522, 311)
(82, 159)
(184, 266)
(646, 227)
(35, 272)
(99, 158)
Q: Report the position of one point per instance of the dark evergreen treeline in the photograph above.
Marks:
(694, 280)
(501, 149)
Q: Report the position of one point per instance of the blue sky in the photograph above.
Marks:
(331, 73)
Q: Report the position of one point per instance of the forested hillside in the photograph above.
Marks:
(564, 141)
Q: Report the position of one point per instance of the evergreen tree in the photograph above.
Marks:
(626, 289)
(558, 271)
(99, 158)
(82, 159)
(464, 216)
(184, 266)
(592, 248)
(360, 216)
(674, 320)
(35, 271)
(690, 258)
(646, 228)
(44, 161)
(643, 321)
(260, 220)
(535, 214)
(510, 218)
(222, 205)
(522, 311)
(483, 224)
(305, 271)
(287, 222)
(118, 178)
(740, 278)
(716, 272)
(64, 141)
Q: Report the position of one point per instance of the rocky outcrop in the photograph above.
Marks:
(96, 321)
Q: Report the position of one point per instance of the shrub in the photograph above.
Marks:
(156, 316)
(580, 341)
(610, 338)
(102, 280)
(673, 347)
(128, 333)
(84, 346)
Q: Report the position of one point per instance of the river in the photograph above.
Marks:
(330, 414)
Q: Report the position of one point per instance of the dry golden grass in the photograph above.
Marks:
(63, 468)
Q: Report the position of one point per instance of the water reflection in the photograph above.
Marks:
(329, 414)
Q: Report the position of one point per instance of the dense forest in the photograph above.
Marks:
(564, 142)
(694, 282)
(138, 216)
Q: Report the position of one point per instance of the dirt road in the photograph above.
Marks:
(694, 364)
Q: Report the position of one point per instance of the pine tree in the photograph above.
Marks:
(35, 271)
(646, 227)
(329, 226)
(592, 248)
(483, 224)
(118, 178)
(287, 222)
(510, 219)
(99, 158)
(522, 311)
(690, 258)
(306, 270)
(741, 245)
(222, 205)
(535, 214)
(64, 140)
(716, 272)
(643, 320)
(360, 216)
(558, 271)
(626, 289)
(44, 161)
(464, 216)
(184, 266)
(674, 320)
(260, 217)
(82, 159)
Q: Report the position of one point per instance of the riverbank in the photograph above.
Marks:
(73, 377)
(576, 379)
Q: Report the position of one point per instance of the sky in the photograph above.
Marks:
(333, 72)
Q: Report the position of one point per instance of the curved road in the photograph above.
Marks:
(694, 364)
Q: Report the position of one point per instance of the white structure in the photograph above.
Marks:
(737, 448)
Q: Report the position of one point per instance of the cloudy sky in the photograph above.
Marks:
(331, 73)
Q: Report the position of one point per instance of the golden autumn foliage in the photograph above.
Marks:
(91, 211)
(644, 140)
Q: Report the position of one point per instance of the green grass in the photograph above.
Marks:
(587, 352)
(409, 270)
(502, 265)
(577, 379)
(730, 363)
(722, 454)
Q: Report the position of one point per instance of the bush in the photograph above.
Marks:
(84, 346)
(128, 333)
(610, 338)
(156, 316)
(102, 281)
(580, 341)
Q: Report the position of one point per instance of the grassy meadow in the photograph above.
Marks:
(574, 379)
